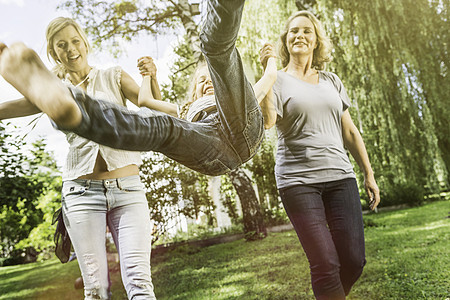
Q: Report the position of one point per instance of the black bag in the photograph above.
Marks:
(61, 237)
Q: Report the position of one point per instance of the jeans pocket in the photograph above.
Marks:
(72, 190)
(214, 168)
(130, 187)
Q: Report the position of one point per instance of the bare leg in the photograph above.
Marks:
(24, 70)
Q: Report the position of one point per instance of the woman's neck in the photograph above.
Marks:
(300, 65)
(79, 77)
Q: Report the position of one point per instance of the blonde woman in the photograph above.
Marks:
(101, 185)
(314, 175)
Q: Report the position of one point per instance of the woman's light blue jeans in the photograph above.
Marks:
(214, 146)
(91, 205)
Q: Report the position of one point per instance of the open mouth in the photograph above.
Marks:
(74, 57)
(208, 90)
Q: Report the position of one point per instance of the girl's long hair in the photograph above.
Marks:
(191, 94)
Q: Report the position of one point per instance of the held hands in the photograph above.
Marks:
(267, 51)
(146, 66)
(372, 191)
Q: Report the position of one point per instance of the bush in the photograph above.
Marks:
(19, 257)
(274, 217)
(403, 193)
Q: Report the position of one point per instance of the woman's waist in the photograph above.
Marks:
(100, 173)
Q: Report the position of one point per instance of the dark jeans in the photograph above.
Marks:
(214, 146)
(328, 220)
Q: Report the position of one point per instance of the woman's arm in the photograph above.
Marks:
(17, 108)
(354, 143)
(130, 88)
(147, 96)
(146, 99)
(264, 85)
(147, 67)
(263, 88)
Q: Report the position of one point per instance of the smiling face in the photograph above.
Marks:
(203, 84)
(70, 49)
(301, 38)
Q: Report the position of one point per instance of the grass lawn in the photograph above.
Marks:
(408, 257)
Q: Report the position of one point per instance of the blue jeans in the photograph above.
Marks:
(328, 220)
(88, 207)
(214, 146)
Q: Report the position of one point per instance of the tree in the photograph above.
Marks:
(20, 189)
(398, 84)
(40, 238)
(173, 189)
(254, 227)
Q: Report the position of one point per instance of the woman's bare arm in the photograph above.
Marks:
(17, 108)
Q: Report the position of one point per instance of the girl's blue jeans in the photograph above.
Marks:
(221, 142)
(328, 220)
(91, 205)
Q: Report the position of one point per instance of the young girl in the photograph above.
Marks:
(220, 142)
(201, 102)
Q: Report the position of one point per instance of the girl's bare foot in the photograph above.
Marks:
(24, 70)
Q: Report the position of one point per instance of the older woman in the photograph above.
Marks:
(314, 175)
(101, 185)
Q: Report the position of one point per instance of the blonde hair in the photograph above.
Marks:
(322, 53)
(191, 93)
(53, 28)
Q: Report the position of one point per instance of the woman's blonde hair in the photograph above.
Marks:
(53, 28)
(191, 93)
(321, 54)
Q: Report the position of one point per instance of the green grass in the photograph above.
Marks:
(408, 257)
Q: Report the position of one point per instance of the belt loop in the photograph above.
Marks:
(119, 183)
(87, 184)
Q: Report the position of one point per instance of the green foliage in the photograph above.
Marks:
(405, 193)
(229, 198)
(262, 21)
(172, 190)
(181, 70)
(397, 84)
(40, 237)
(29, 194)
(19, 190)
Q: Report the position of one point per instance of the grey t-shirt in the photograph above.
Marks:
(310, 144)
(205, 105)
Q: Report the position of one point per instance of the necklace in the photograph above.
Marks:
(82, 81)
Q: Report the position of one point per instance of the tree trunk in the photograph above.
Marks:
(254, 227)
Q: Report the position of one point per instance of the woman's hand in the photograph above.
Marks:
(267, 51)
(146, 66)
(372, 191)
